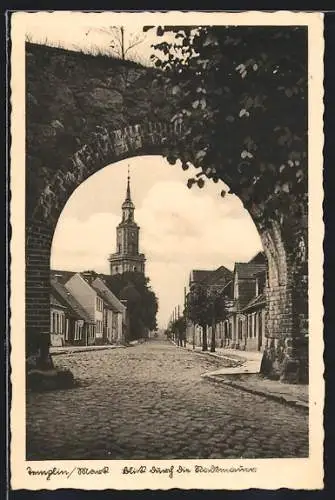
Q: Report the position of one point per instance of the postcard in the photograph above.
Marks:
(166, 252)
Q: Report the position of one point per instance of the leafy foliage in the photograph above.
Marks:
(204, 306)
(142, 303)
(240, 94)
(178, 327)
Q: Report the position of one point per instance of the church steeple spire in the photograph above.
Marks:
(128, 206)
(127, 257)
(128, 196)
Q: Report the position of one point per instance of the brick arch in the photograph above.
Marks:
(86, 112)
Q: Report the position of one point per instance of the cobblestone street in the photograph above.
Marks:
(149, 402)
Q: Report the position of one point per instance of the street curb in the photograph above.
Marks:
(75, 351)
(281, 399)
(219, 356)
(213, 354)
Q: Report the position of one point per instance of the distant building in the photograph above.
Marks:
(244, 305)
(127, 256)
(213, 280)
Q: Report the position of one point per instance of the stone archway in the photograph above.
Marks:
(85, 112)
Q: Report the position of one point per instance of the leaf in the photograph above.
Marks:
(172, 160)
(201, 183)
(195, 104)
(160, 31)
(210, 40)
(200, 154)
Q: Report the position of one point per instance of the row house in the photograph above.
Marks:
(78, 327)
(57, 321)
(245, 325)
(243, 291)
(115, 313)
(215, 281)
(101, 304)
(92, 314)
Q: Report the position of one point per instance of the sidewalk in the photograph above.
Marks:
(247, 377)
(246, 361)
(292, 394)
(73, 349)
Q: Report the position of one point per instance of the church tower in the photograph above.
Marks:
(127, 256)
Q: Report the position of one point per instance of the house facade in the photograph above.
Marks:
(57, 321)
(79, 328)
(245, 325)
(243, 320)
(214, 281)
(101, 305)
(114, 313)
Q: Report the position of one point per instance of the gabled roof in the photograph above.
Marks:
(258, 258)
(199, 275)
(68, 299)
(228, 288)
(62, 276)
(54, 302)
(256, 302)
(219, 276)
(248, 270)
(107, 295)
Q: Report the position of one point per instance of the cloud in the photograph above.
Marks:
(183, 226)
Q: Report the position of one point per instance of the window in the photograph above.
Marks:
(255, 324)
(99, 326)
(91, 331)
(99, 304)
(249, 325)
(78, 330)
(67, 329)
(240, 329)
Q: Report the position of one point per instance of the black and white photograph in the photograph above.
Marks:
(167, 250)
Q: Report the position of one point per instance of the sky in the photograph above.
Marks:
(76, 31)
(181, 229)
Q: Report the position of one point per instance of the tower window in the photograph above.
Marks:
(119, 248)
(135, 268)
